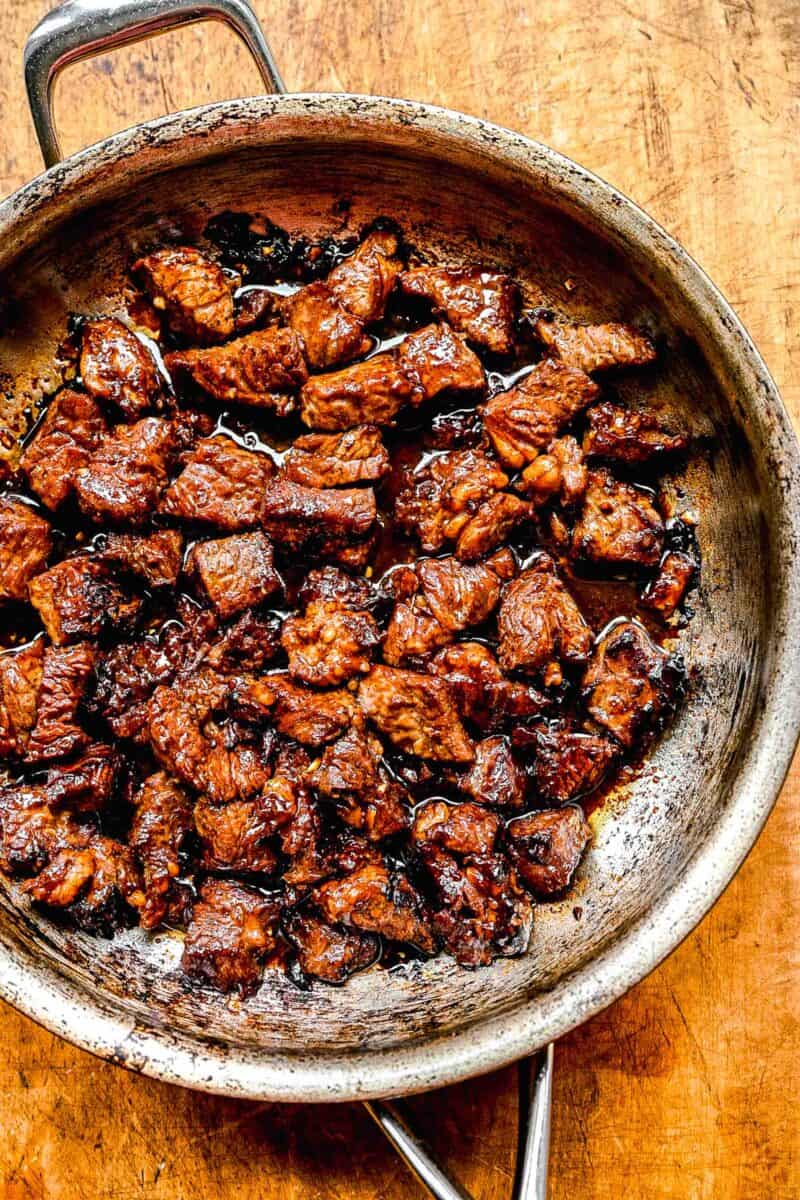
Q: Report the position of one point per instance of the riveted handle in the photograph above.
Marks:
(79, 29)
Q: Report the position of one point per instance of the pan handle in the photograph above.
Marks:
(79, 29)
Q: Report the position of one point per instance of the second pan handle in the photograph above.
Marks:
(79, 29)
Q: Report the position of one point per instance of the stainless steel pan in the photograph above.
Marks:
(665, 850)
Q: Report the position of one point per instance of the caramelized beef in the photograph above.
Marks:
(481, 692)
(524, 420)
(124, 477)
(78, 599)
(460, 595)
(415, 712)
(220, 484)
(363, 282)
(25, 545)
(294, 515)
(665, 592)
(370, 392)
(559, 474)
(630, 682)
(20, 681)
(413, 632)
(235, 572)
(156, 557)
(329, 583)
(442, 362)
(443, 493)
(117, 368)
(330, 335)
(324, 460)
(301, 713)
(251, 641)
(540, 625)
(231, 932)
(351, 776)
(262, 369)
(623, 435)
(65, 677)
(329, 644)
(495, 778)
(85, 783)
(326, 951)
(478, 303)
(596, 347)
(32, 831)
(546, 847)
(618, 524)
(240, 836)
(95, 880)
(192, 292)
(492, 524)
(569, 763)
(375, 900)
(63, 442)
(161, 823)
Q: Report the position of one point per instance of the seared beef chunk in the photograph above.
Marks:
(65, 677)
(492, 524)
(329, 644)
(31, 830)
(495, 778)
(478, 303)
(115, 366)
(85, 783)
(324, 460)
(25, 546)
(325, 951)
(156, 557)
(524, 420)
(569, 763)
(161, 823)
(294, 515)
(262, 369)
(618, 524)
(547, 846)
(231, 932)
(240, 836)
(596, 347)
(481, 692)
(304, 843)
(71, 429)
(330, 335)
(363, 282)
(220, 484)
(193, 293)
(630, 682)
(443, 493)
(675, 574)
(413, 632)
(298, 712)
(622, 435)
(251, 641)
(78, 599)
(373, 391)
(442, 362)
(350, 775)
(254, 308)
(124, 477)
(377, 900)
(95, 879)
(460, 595)
(20, 680)
(415, 712)
(329, 583)
(540, 625)
(560, 473)
(235, 572)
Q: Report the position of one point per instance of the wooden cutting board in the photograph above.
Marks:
(687, 1088)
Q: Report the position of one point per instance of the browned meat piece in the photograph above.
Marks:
(492, 524)
(442, 362)
(621, 435)
(675, 574)
(370, 392)
(630, 682)
(240, 836)
(262, 369)
(95, 880)
(413, 631)
(116, 366)
(618, 524)
(457, 828)
(351, 775)
(478, 303)
(329, 333)
(235, 572)
(416, 712)
(161, 823)
(125, 476)
(540, 625)
(329, 644)
(596, 347)
(305, 845)
(546, 847)
(250, 642)
(155, 557)
(193, 293)
(569, 763)
(301, 713)
(375, 901)
(25, 544)
(254, 307)
(31, 830)
(324, 460)
(325, 952)
(443, 493)
(71, 429)
(65, 677)
(329, 583)
(480, 690)
(231, 932)
(524, 420)
(561, 472)
(85, 784)
(220, 483)
(294, 515)
(20, 680)
(495, 778)
(459, 595)
(364, 281)
(77, 599)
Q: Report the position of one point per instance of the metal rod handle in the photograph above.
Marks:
(79, 29)
(413, 1151)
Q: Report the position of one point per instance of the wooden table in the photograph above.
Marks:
(684, 1089)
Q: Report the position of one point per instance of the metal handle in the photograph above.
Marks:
(414, 1152)
(79, 29)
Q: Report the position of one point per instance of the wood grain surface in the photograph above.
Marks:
(686, 1089)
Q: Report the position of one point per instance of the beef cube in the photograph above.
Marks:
(305, 845)
(460, 594)
(25, 544)
(524, 420)
(492, 524)
(231, 932)
(416, 712)
(350, 775)
(262, 369)
(221, 484)
(294, 515)
(31, 830)
(307, 716)
(78, 600)
(480, 690)
(457, 828)
(339, 551)
(251, 641)
(161, 823)
(115, 366)
(478, 303)
(546, 847)
(622, 435)
(325, 951)
(192, 292)
(371, 392)
(630, 683)
(235, 572)
(413, 632)
(156, 557)
(495, 778)
(329, 333)
(329, 644)
(124, 477)
(86, 783)
(442, 362)
(375, 901)
(665, 592)
(329, 583)
(540, 625)
(95, 881)
(618, 524)
(365, 280)
(239, 836)
(254, 308)
(560, 473)
(65, 676)
(62, 443)
(20, 681)
(595, 347)
(324, 460)
(569, 763)
(444, 492)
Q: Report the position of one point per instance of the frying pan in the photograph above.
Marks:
(665, 849)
